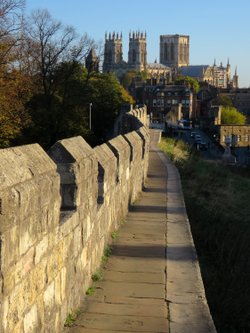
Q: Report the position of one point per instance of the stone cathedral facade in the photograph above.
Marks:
(174, 50)
(113, 54)
(137, 56)
(174, 60)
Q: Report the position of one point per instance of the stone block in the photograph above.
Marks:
(20, 170)
(76, 162)
(30, 321)
(28, 234)
(41, 249)
(49, 299)
(55, 261)
(8, 281)
(63, 279)
(77, 241)
(58, 294)
(28, 261)
(9, 247)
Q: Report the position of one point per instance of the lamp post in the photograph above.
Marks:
(90, 106)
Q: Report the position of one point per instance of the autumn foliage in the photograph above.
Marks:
(45, 90)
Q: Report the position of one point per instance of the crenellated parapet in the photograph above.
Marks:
(137, 35)
(57, 211)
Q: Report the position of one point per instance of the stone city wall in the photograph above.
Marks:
(57, 212)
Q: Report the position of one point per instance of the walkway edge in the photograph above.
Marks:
(187, 303)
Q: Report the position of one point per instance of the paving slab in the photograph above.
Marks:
(127, 323)
(152, 280)
(133, 276)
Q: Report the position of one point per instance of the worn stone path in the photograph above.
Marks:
(152, 280)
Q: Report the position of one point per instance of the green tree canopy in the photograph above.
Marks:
(128, 77)
(230, 115)
(107, 96)
(69, 112)
(225, 101)
(190, 82)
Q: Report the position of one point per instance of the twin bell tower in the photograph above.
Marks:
(113, 54)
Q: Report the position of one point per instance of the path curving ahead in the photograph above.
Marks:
(152, 281)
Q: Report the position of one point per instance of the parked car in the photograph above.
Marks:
(198, 138)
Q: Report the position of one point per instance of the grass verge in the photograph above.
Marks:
(218, 206)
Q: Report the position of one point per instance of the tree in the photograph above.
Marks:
(225, 101)
(189, 82)
(11, 24)
(15, 91)
(128, 77)
(52, 44)
(15, 86)
(107, 97)
(230, 116)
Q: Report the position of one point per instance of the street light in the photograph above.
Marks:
(90, 106)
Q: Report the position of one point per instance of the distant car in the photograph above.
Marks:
(197, 138)
(192, 135)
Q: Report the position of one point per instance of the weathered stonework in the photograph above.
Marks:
(238, 134)
(56, 215)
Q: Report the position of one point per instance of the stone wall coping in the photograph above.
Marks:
(71, 150)
(20, 164)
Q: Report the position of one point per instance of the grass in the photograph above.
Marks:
(218, 206)
(71, 318)
(177, 150)
(114, 235)
(90, 291)
(97, 276)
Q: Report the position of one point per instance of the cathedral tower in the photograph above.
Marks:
(174, 50)
(137, 54)
(112, 51)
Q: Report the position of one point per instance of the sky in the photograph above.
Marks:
(218, 29)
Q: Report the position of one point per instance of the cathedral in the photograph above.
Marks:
(137, 56)
(174, 60)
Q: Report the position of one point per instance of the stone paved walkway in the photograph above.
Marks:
(152, 280)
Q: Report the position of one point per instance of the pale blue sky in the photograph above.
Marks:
(217, 28)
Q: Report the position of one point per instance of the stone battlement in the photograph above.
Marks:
(57, 212)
